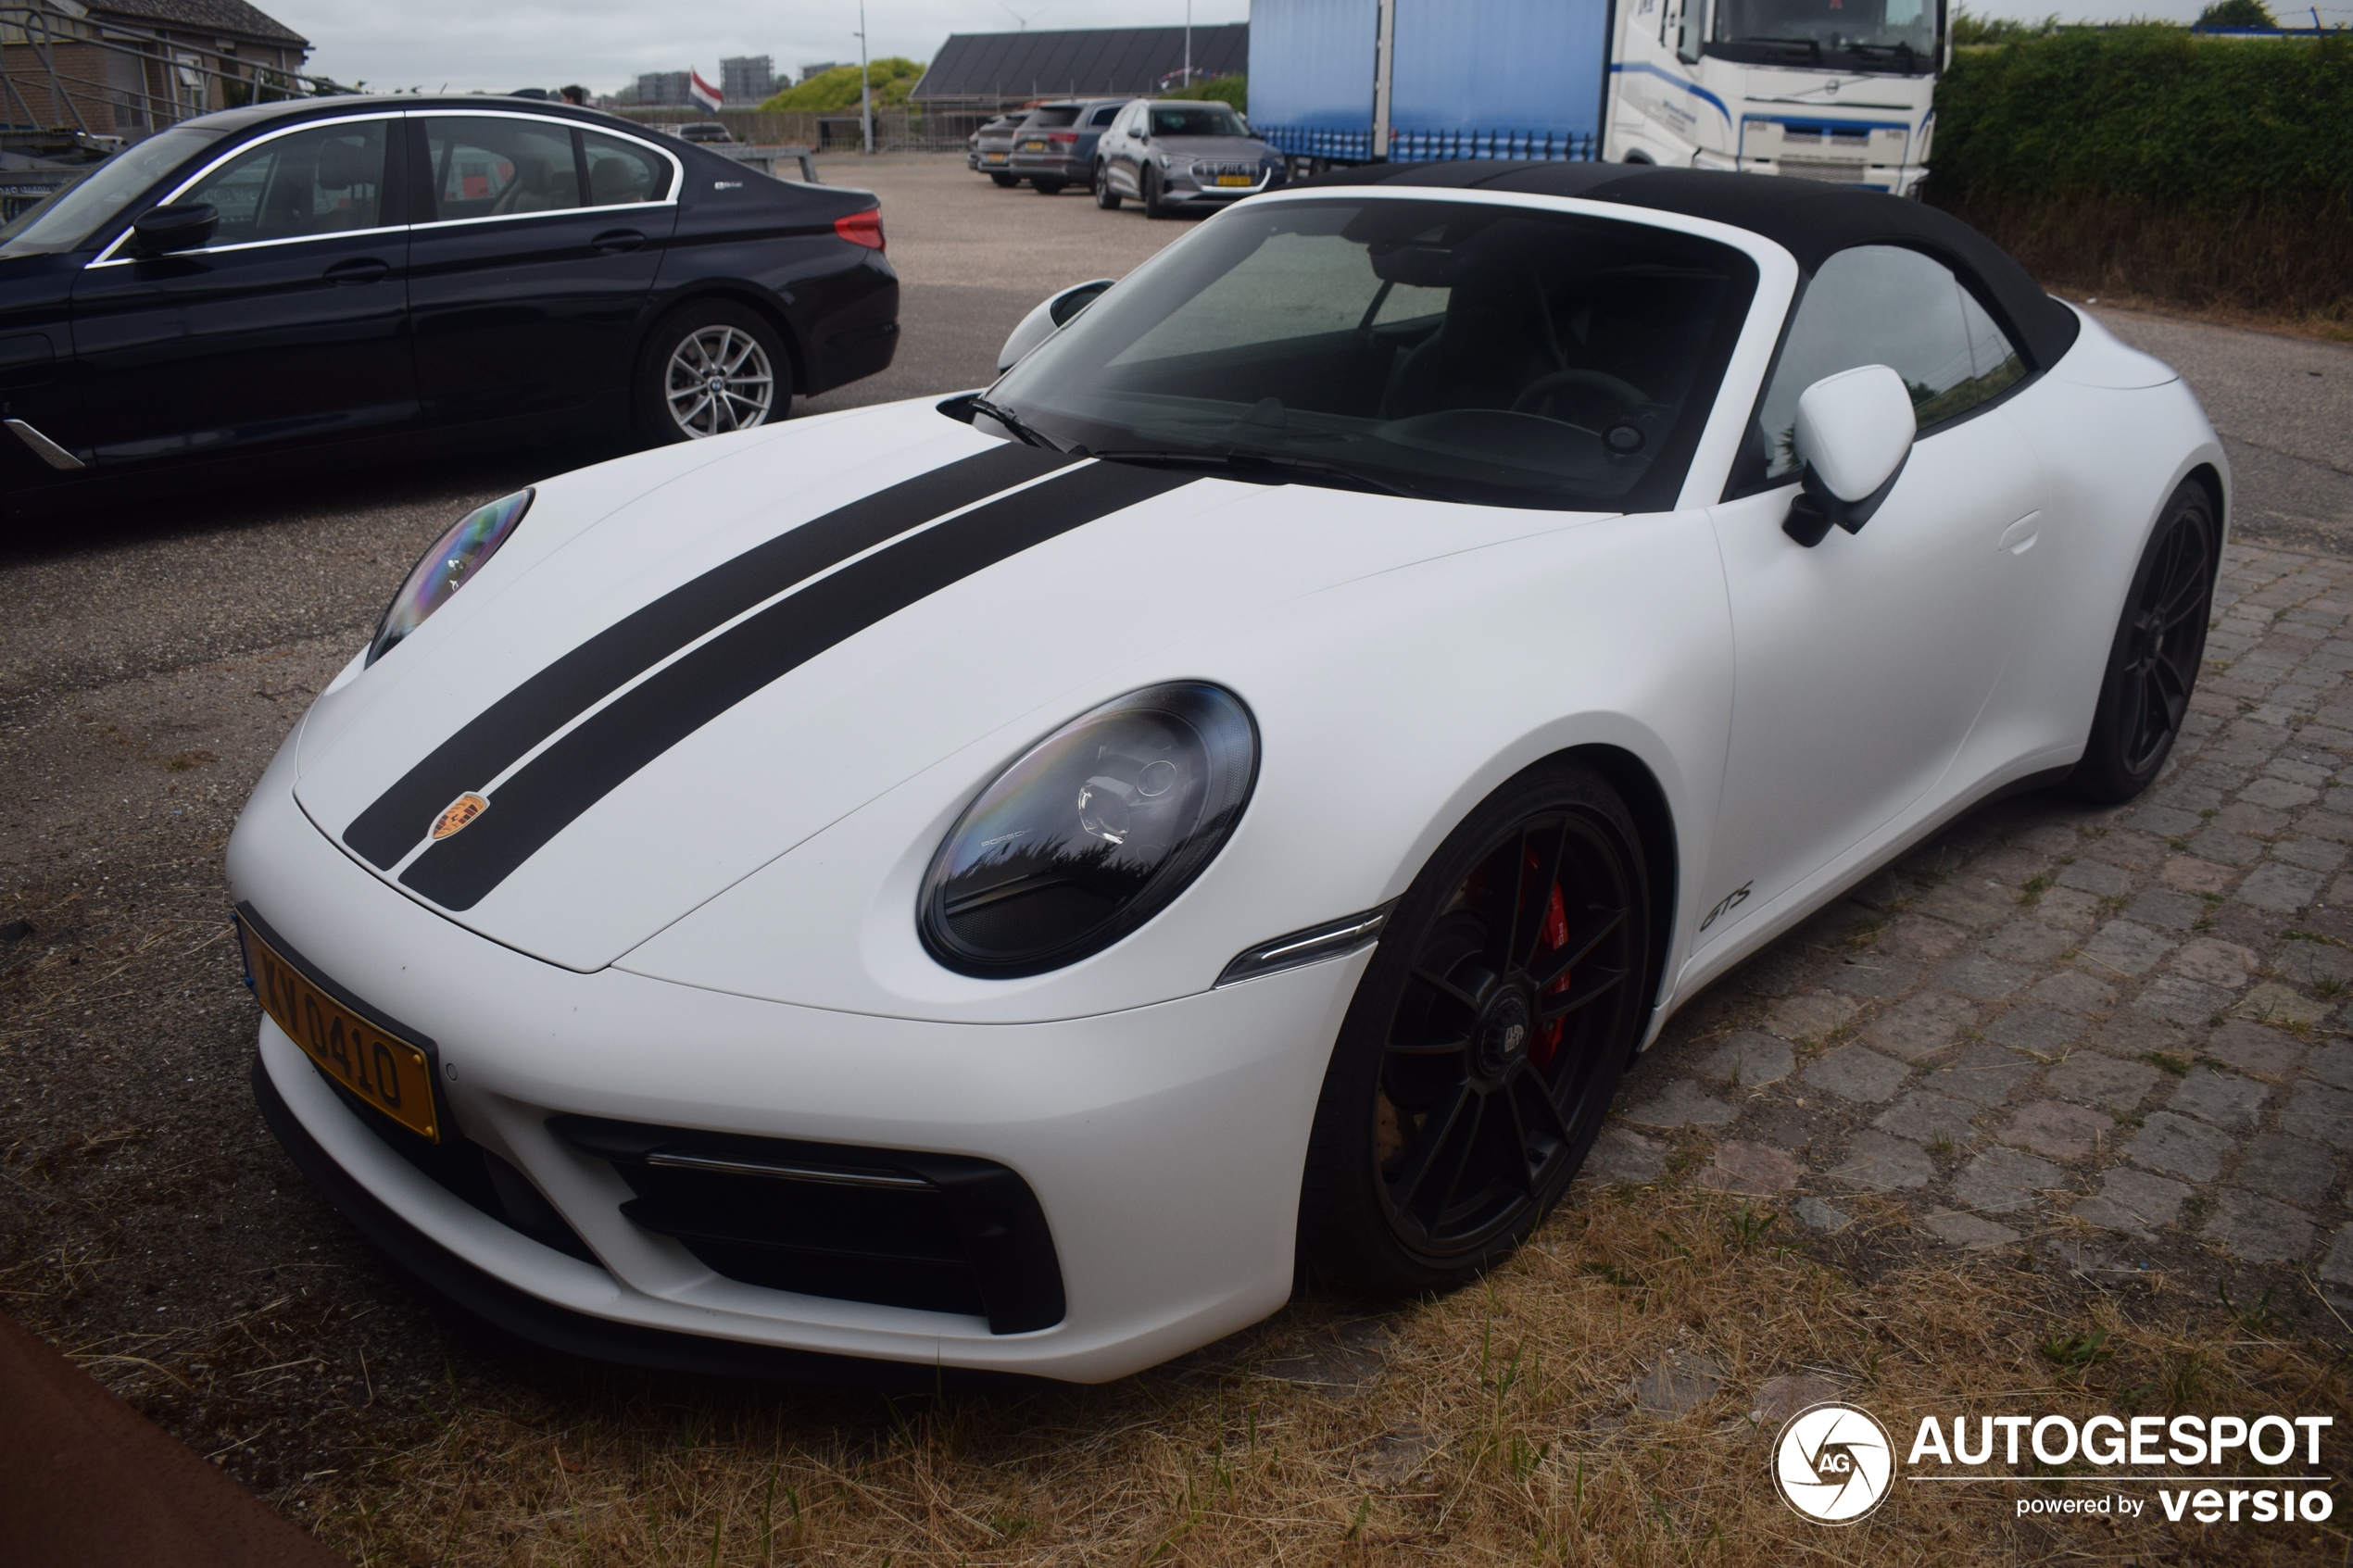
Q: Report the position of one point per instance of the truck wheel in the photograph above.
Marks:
(1105, 197)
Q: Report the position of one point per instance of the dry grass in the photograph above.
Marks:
(1494, 1426)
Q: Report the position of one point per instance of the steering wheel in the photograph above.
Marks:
(1622, 395)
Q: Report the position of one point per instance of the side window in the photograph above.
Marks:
(1104, 116)
(622, 171)
(1883, 305)
(491, 167)
(319, 182)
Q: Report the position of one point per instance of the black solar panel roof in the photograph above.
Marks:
(1109, 62)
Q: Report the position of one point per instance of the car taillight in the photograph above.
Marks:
(862, 228)
(1070, 137)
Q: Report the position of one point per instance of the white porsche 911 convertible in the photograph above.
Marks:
(1010, 883)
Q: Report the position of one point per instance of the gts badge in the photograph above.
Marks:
(1730, 902)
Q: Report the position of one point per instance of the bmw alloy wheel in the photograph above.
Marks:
(719, 380)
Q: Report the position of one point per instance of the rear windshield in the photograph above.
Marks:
(1045, 120)
(71, 215)
(1457, 350)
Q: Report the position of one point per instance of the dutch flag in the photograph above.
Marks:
(702, 92)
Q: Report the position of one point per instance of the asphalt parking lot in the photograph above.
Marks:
(151, 659)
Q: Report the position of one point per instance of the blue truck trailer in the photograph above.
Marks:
(1836, 90)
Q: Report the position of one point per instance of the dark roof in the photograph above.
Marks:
(1808, 218)
(231, 18)
(1124, 62)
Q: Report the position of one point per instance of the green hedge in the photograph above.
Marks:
(2150, 113)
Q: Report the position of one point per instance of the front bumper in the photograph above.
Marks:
(1184, 189)
(1164, 1144)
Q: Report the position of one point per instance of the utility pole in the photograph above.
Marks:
(866, 82)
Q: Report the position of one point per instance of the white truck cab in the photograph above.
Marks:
(1835, 89)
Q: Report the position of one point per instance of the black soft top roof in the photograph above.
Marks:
(1808, 218)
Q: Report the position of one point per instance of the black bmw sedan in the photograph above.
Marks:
(376, 273)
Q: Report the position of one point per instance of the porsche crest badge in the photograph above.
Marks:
(458, 813)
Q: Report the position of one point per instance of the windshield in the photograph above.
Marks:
(1881, 35)
(67, 218)
(1197, 119)
(1450, 349)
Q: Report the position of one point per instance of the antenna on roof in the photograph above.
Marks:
(1025, 22)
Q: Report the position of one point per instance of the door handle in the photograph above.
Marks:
(358, 269)
(614, 240)
(2019, 536)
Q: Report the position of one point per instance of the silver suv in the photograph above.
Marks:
(1172, 154)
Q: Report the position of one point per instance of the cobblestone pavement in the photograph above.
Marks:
(2115, 1034)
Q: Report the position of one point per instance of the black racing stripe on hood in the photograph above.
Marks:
(488, 743)
(555, 787)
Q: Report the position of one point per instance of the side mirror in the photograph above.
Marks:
(1853, 435)
(160, 231)
(1047, 319)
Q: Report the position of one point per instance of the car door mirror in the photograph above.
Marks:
(176, 226)
(1047, 319)
(1853, 435)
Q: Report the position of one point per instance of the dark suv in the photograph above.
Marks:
(1055, 147)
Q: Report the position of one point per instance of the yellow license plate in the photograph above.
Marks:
(1235, 180)
(1033, 146)
(992, 158)
(383, 1070)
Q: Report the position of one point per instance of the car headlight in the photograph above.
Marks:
(448, 567)
(1092, 833)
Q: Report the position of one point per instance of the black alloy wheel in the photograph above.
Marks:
(1105, 197)
(1153, 206)
(2152, 663)
(1485, 1041)
(1048, 187)
(1004, 181)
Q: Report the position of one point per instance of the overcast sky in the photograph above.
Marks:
(605, 44)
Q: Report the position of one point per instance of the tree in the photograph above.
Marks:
(2237, 13)
(838, 89)
(1234, 90)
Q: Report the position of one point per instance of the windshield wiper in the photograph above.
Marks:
(1013, 422)
(1271, 461)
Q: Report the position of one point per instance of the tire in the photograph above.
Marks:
(2153, 662)
(730, 340)
(1105, 197)
(1447, 1031)
(1153, 206)
(1004, 181)
(1050, 187)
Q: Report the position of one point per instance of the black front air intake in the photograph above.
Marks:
(943, 1233)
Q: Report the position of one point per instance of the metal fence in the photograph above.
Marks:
(900, 129)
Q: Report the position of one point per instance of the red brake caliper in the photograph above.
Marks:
(1553, 937)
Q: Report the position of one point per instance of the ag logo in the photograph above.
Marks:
(458, 813)
(1833, 1463)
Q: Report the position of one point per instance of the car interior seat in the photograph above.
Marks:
(1497, 339)
(613, 181)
